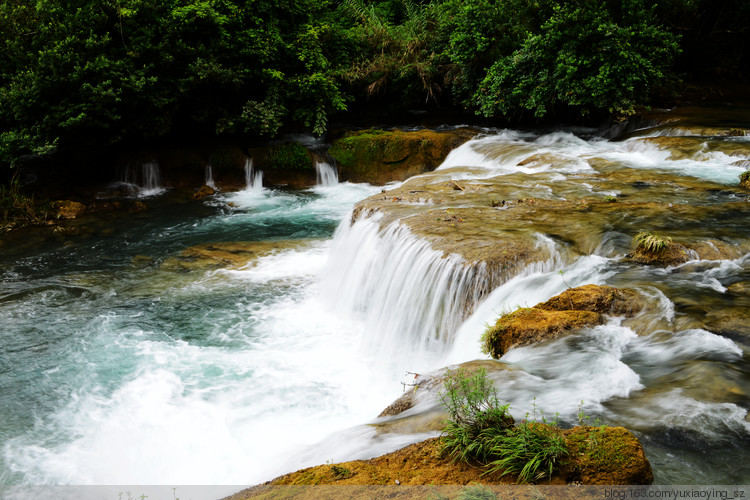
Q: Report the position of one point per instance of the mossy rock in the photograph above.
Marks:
(69, 209)
(596, 455)
(605, 455)
(288, 156)
(379, 157)
(228, 160)
(575, 308)
(672, 255)
(745, 180)
(595, 298)
(530, 325)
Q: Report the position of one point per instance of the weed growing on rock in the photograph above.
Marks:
(651, 242)
(475, 412)
(340, 472)
(481, 428)
(530, 450)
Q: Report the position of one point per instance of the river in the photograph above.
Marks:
(124, 362)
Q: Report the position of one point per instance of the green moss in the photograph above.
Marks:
(603, 448)
(289, 156)
(307, 478)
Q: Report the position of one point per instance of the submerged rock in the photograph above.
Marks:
(379, 156)
(573, 309)
(232, 254)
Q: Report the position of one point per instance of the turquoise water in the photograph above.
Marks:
(120, 366)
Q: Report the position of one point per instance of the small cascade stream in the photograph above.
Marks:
(253, 178)
(137, 356)
(142, 179)
(326, 174)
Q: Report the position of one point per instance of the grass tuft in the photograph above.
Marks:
(652, 242)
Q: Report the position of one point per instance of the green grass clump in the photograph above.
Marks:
(745, 176)
(475, 413)
(530, 450)
(481, 429)
(652, 242)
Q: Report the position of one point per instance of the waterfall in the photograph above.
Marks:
(253, 179)
(410, 297)
(143, 179)
(210, 176)
(326, 174)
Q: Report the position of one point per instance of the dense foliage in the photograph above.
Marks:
(82, 73)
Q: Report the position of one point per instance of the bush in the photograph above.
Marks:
(584, 58)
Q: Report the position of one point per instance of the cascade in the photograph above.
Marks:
(411, 298)
(253, 179)
(143, 179)
(326, 174)
(210, 176)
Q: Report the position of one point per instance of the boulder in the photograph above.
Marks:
(204, 191)
(575, 308)
(605, 455)
(68, 209)
(380, 156)
(595, 298)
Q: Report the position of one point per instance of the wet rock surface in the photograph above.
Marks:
(575, 308)
(378, 156)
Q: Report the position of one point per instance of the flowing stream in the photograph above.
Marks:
(122, 361)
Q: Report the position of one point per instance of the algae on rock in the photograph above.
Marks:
(379, 156)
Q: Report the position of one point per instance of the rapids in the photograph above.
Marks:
(124, 362)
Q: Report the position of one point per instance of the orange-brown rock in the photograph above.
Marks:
(605, 455)
(68, 209)
(530, 325)
(595, 298)
(573, 309)
(204, 191)
(596, 455)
